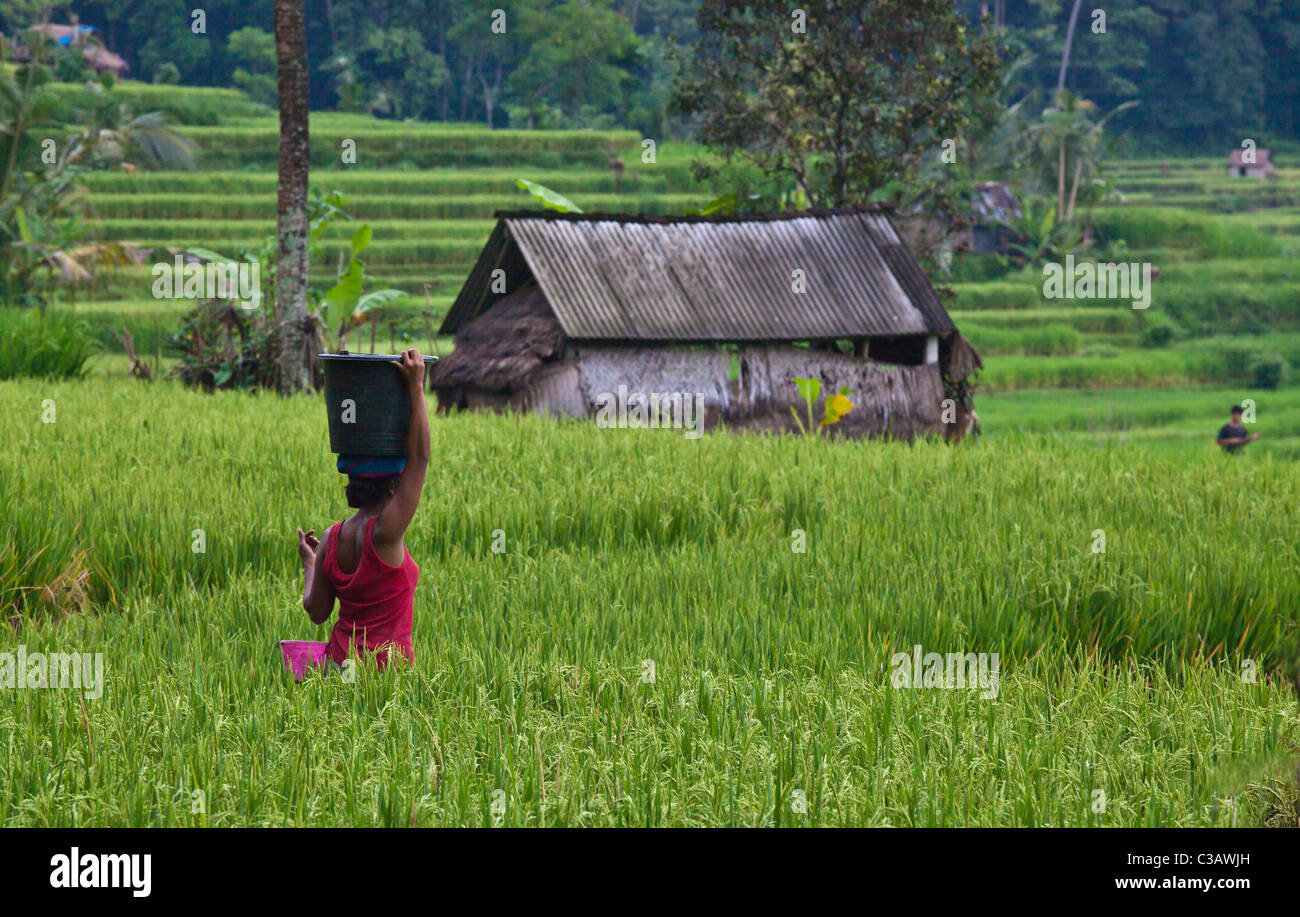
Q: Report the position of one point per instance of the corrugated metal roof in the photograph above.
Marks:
(1238, 158)
(731, 278)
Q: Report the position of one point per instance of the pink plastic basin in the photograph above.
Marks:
(300, 656)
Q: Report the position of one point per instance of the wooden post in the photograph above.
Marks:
(428, 320)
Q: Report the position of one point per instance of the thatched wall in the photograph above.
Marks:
(902, 401)
(503, 348)
(513, 358)
(650, 370)
(479, 400)
(553, 390)
(959, 357)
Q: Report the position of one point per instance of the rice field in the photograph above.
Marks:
(650, 648)
(1191, 362)
(677, 632)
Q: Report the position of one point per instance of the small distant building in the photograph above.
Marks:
(563, 310)
(993, 205)
(981, 231)
(83, 38)
(1262, 167)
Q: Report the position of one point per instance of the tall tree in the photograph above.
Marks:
(293, 324)
(579, 76)
(488, 54)
(1062, 151)
(254, 49)
(1069, 40)
(841, 102)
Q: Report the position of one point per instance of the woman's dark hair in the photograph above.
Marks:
(369, 491)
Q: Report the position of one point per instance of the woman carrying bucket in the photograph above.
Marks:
(364, 563)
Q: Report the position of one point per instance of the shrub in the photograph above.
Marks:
(166, 74)
(1268, 371)
(224, 347)
(975, 268)
(1236, 360)
(1159, 335)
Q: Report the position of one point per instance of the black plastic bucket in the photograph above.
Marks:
(367, 402)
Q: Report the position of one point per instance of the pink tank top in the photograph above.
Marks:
(376, 602)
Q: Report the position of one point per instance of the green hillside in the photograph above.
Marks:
(1225, 248)
(428, 190)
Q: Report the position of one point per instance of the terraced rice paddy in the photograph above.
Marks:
(429, 192)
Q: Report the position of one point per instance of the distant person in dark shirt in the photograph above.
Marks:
(1232, 435)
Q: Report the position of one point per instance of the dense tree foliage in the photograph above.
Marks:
(1208, 73)
(841, 100)
(546, 63)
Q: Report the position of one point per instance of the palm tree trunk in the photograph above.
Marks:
(1069, 40)
(1060, 181)
(1074, 187)
(292, 360)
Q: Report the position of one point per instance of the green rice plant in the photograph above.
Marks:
(1282, 222)
(261, 207)
(414, 145)
(1239, 307)
(355, 181)
(1047, 340)
(131, 289)
(529, 702)
(999, 295)
(150, 330)
(51, 346)
(1207, 360)
(1143, 227)
(1192, 299)
(262, 427)
(1175, 420)
(225, 230)
(1144, 368)
(183, 105)
(1083, 319)
(1229, 270)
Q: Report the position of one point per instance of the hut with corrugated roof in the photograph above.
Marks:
(85, 40)
(1259, 165)
(561, 311)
